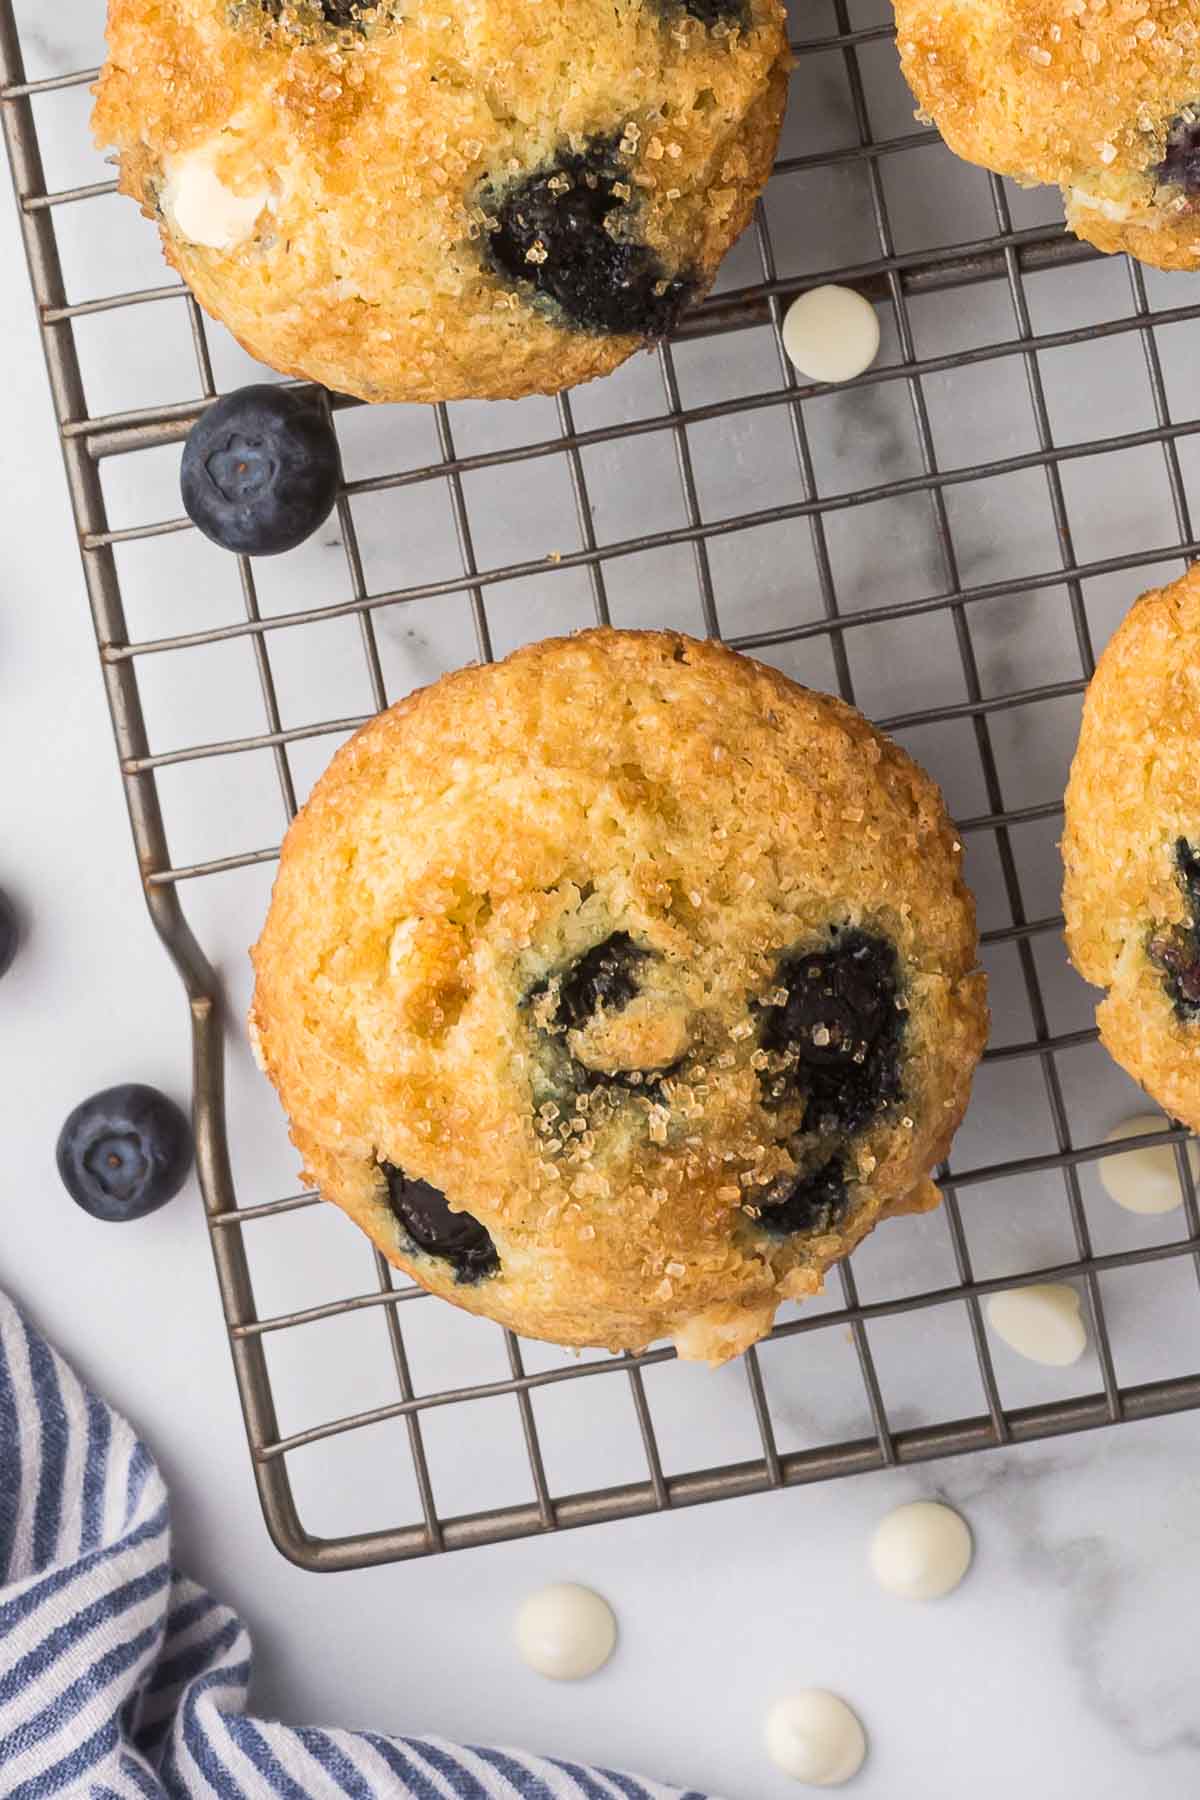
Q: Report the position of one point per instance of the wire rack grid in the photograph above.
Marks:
(983, 295)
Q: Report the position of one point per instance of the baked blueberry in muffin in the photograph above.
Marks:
(433, 1230)
(1100, 100)
(1131, 894)
(436, 200)
(1175, 949)
(568, 233)
(620, 988)
(306, 16)
(1180, 166)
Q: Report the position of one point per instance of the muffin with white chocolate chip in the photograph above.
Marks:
(440, 200)
(620, 988)
(1098, 97)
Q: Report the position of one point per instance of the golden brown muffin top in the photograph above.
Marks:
(1095, 96)
(433, 996)
(1131, 846)
(388, 163)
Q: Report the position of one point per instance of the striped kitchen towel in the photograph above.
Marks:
(120, 1678)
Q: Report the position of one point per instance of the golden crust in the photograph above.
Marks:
(473, 840)
(364, 270)
(1132, 795)
(1077, 93)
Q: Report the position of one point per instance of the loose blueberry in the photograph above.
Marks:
(815, 1202)
(9, 933)
(564, 231)
(1176, 948)
(839, 1030)
(1180, 166)
(455, 1237)
(260, 470)
(124, 1153)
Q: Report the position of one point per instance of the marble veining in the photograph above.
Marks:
(58, 40)
(1110, 1565)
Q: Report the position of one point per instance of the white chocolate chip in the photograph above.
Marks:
(1145, 1181)
(815, 1738)
(831, 333)
(1117, 210)
(565, 1632)
(1043, 1323)
(921, 1551)
(199, 206)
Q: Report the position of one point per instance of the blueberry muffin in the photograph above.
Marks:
(1132, 846)
(1101, 100)
(432, 199)
(620, 988)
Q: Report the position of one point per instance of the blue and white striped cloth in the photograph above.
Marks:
(120, 1679)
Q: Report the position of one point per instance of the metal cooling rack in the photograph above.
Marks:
(1006, 260)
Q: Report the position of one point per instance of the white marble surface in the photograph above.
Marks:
(1064, 1664)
